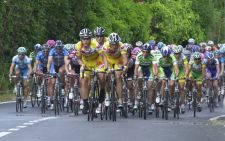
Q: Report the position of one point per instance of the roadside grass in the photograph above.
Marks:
(9, 96)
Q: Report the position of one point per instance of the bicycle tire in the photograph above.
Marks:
(166, 104)
(144, 104)
(194, 103)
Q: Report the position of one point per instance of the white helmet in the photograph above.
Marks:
(191, 41)
(210, 43)
(21, 50)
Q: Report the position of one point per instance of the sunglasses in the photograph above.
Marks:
(21, 54)
(176, 53)
(198, 59)
(145, 51)
(86, 38)
(98, 36)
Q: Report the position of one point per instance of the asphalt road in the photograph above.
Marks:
(31, 125)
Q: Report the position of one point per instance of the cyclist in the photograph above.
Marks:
(40, 65)
(58, 56)
(190, 44)
(130, 73)
(22, 66)
(221, 60)
(72, 67)
(89, 57)
(212, 73)
(197, 71)
(99, 33)
(182, 63)
(145, 66)
(37, 48)
(168, 68)
(116, 55)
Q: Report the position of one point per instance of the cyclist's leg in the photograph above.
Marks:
(119, 87)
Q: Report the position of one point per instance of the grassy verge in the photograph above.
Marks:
(7, 97)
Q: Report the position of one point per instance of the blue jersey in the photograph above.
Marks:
(58, 58)
(211, 67)
(43, 61)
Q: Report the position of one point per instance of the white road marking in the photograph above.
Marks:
(4, 133)
(7, 102)
(216, 118)
(14, 129)
(21, 126)
(28, 123)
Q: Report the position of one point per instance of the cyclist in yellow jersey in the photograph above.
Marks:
(99, 33)
(183, 66)
(89, 58)
(116, 56)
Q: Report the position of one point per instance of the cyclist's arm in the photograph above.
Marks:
(155, 69)
(186, 67)
(36, 65)
(50, 59)
(67, 64)
(124, 59)
(30, 68)
(136, 70)
(217, 70)
(11, 69)
(203, 70)
(176, 69)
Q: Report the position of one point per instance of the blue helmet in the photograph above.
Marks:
(160, 45)
(209, 55)
(152, 43)
(195, 48)
(216, 52)
(166, 51)
(146, 46)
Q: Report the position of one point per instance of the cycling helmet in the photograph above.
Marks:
(128, 46)
(138, 44)
(114, 38)
(202, 44)
(37, 47)
(146, 47)
(160, 45)
(21, 50)
(135, 51)
(165, 51)
(51, 43)
(45, 46)
(197, 55)
(208, 48)
(216, 52)
(222, 49)
(151, 42)
(210, 43)
(85, 33)
(99, 31)
(191, 41)
(195, 48)
(69, 47)
(209, 55)
(177, 49)
(59, 44)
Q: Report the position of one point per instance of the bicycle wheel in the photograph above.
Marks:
(194, 103)
(145, 104)
(166, 104)
(76, 107)
(157, 110)
(33, 94)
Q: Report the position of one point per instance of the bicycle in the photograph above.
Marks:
(19, 93)
(44, 97)
(194, 95)
(34, 98)
(94, 93)
(74, 99)
(211, 96)
(157, 98)
(58, 98)
(177, 100)
(144, 97)
(113, 103)
(125, 97)
(166, 100)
